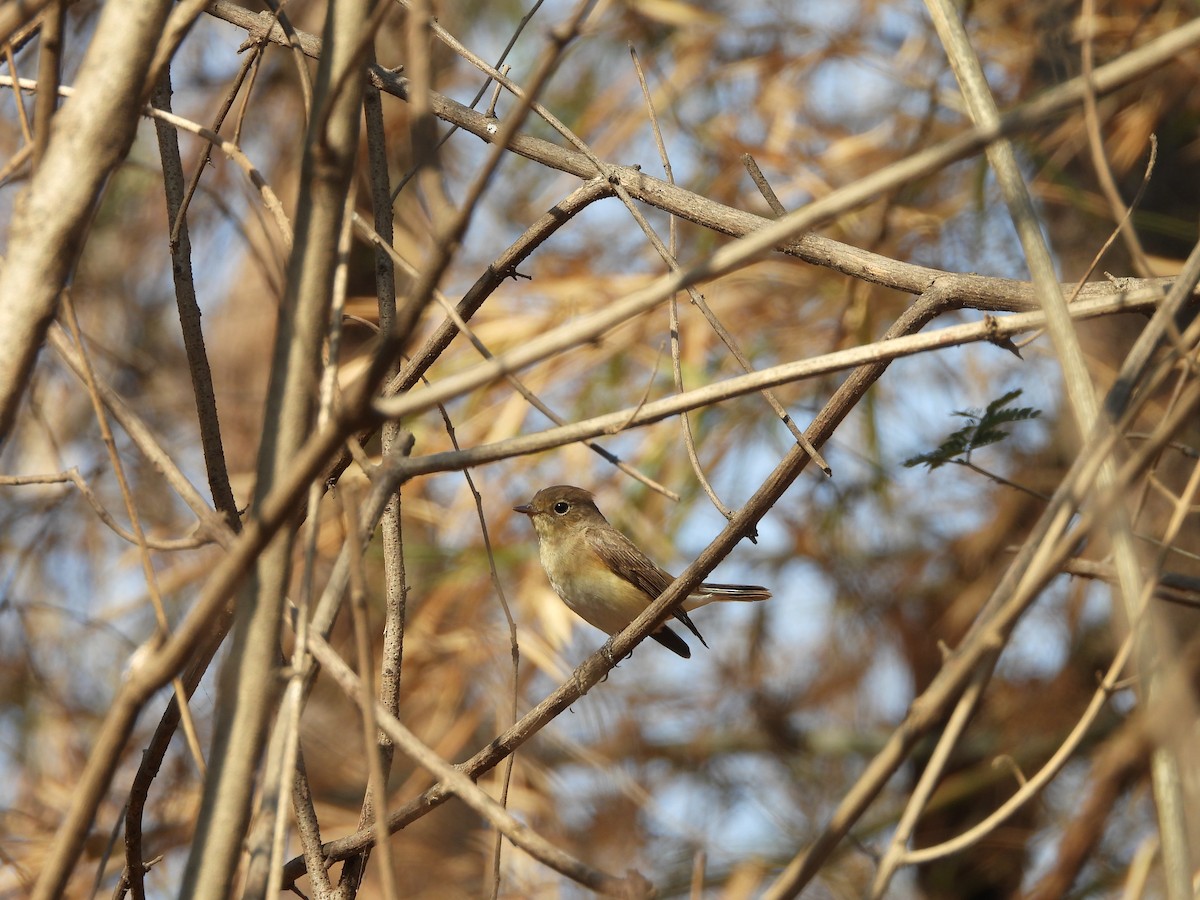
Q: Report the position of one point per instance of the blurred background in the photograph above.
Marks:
(735, 757)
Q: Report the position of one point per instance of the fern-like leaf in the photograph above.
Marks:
(984, 428)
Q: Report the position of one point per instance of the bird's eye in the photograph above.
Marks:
(561, 507)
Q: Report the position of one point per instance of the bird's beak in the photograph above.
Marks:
(524, 509)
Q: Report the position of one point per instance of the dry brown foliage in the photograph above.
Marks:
(307, 436)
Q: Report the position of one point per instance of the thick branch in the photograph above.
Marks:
(89, 137)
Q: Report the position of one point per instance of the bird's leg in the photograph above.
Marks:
(612, 661)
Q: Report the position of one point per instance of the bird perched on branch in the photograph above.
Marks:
(602, 575)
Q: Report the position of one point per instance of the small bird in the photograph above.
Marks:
(602, 575)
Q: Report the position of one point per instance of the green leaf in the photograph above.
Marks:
(984, 429)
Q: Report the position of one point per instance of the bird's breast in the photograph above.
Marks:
(590, 589)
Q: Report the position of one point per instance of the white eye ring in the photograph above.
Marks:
(561, 507)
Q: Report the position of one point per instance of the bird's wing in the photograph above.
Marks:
(622, 556)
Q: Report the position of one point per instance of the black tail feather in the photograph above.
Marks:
(674, 642)
(686, 620)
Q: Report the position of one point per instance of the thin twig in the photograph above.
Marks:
(391, 537)
(882, 351)
(22, 114)
(447, 239)
(547, 344)
(292, 41)
(249, 674)
(950, 734)
(249, 63)
(455, 318)
(1104, 175)
(49, 71)
(813, 248)
(454, 45)
(135, 523)
(465, 789)
(377, 781)
(1108, 242)
(514, 646)
(1180, 511)
(73, 476)
(188, 307)
(670, 256)
(1049, 545)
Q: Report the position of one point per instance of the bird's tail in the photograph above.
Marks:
(714, 593)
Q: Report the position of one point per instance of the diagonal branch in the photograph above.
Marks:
(92, 134)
